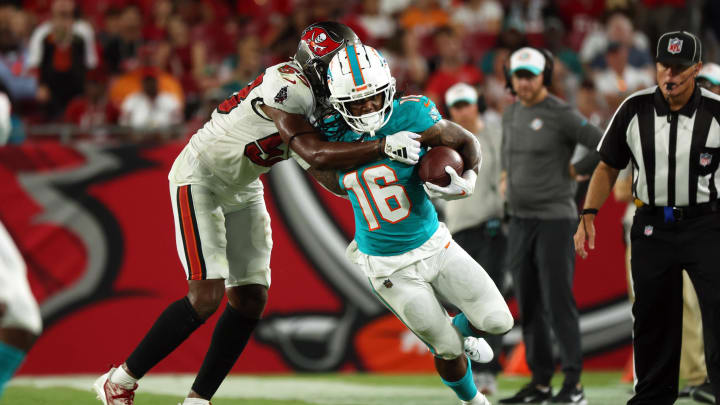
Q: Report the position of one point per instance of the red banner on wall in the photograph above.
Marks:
(94, 225)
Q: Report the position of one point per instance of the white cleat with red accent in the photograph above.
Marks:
(113, 394)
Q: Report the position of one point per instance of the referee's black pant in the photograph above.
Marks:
(660, 251)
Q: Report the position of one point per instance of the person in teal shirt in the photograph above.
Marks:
(406, 253)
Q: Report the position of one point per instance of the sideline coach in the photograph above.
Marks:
(671, 133)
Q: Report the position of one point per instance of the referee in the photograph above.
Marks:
(671, 133)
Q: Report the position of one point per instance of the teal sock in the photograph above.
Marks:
(464, 388)
(10, 360)
(462, 324)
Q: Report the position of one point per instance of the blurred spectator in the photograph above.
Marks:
(150, 108)
(218, 34)
(591, 105)
(451, 66)
(156, 29)
(497, 96)
(564, 82)
(556, 42)
(13, 68)
(185, 59)
(658, 16)
(240, 69)
(408, 66)
(618, 28)
(620, 79)
(580, 17)
(379, 27)
(122, 87)
(709, 77)
(509, 39)
(423, 17)
(62, 50)
(121, 48)
(478, 16)
(526, 15)
(92, 110)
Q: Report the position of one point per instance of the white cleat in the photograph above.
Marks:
(113, 394)
(479, 399)
(478, 350)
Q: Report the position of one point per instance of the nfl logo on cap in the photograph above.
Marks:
(675, 45)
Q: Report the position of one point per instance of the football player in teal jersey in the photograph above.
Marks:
(406, 253)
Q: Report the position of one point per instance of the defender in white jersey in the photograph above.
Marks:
(222, 227)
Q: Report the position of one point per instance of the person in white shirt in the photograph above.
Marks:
(620, 79)
(151, 109)
(475, 222)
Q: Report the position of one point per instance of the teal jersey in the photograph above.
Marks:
(393, 215)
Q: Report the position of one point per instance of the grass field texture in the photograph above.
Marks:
(601, 388)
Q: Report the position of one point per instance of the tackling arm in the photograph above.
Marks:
(448, 133)
(307, 142)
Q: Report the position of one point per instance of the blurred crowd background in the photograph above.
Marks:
(155, 69)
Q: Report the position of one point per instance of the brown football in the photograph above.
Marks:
(431, 168)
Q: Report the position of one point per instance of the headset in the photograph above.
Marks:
(547, 72)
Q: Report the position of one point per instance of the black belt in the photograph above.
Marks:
(681, 213)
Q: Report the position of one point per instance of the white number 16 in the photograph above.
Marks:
(381, 195)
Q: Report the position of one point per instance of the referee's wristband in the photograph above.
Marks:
(593, 211)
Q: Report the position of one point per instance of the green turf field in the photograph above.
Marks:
(297, 389)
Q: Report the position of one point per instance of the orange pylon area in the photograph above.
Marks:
(516, 364)
(628, 374)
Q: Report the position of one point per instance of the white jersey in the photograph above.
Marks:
(240, 142)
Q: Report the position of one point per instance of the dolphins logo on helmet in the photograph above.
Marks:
(355, 73)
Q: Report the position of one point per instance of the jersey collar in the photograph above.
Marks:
(662, 108)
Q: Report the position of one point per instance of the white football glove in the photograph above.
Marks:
(459, 187)
(403, 147)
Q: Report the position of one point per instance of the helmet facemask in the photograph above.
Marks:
(355, 73)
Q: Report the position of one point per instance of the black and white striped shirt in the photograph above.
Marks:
(675, 154)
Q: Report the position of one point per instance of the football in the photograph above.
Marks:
(431, 168)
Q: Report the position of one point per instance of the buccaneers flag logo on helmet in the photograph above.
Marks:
(320, 42)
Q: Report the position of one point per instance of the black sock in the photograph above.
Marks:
(230, 336)
(173, 326)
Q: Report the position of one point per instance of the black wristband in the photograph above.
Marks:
(593, 211)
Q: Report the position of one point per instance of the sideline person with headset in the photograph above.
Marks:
(540, 133)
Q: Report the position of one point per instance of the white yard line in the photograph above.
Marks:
(318, 391)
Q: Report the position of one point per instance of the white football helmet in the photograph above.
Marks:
(356, 72)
